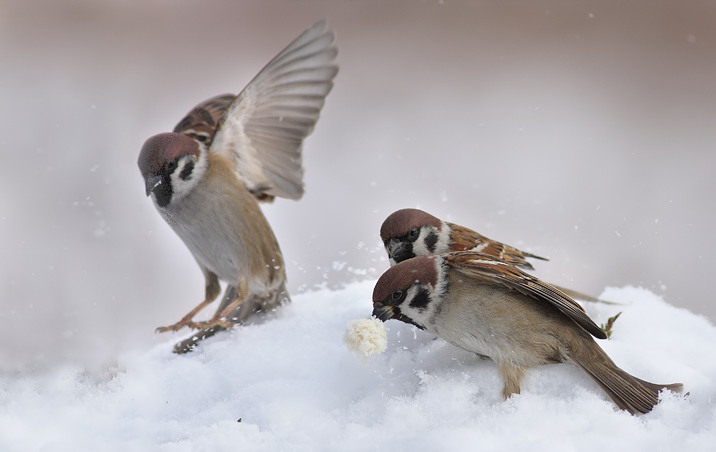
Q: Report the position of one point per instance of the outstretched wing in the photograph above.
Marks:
(480, 266)
(263, 128)
(465, 239)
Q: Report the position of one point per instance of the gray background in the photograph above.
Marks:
(582, 131)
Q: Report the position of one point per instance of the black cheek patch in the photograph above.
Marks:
(187, 170)
(421, 300)
(430, 241)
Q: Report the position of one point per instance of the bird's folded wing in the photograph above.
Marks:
(480, 266)
(467, 239)
(200, 123)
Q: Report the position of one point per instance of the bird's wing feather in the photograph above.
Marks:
(465, 239)
(200, 123)
(263, 128)
(481, 266)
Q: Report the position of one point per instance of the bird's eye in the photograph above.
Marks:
(171, 166)
(397, 295)
(413, 234)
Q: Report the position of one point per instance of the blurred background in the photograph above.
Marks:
(582, 131)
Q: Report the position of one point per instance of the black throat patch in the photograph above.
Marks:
(163, 192)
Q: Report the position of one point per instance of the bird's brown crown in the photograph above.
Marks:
(399, 223)
(420, 269)
(162, 148)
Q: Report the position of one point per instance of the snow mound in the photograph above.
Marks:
(290, 383)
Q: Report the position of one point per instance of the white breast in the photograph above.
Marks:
(205, 230)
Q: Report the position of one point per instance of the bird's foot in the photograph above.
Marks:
(179, 325)
(216, 321)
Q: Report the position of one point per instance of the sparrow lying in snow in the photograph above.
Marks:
(494, 309)
(206, 178)
(407, 233)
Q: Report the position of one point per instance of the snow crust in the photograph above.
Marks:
(291, 384)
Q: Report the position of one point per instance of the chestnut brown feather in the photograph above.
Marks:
(464, 239)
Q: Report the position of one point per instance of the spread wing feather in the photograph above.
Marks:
(263, 128)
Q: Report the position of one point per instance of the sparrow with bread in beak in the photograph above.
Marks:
(494, 309)
(229, 153)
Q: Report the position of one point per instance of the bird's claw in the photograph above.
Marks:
(212, 323)
(179, 325)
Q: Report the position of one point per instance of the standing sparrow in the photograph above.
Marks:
(407, 233)
(230, 152)
(494, 309)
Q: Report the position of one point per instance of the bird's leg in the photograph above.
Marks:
(512, 376)
(187, 320)
(219, 319)
(212, 291)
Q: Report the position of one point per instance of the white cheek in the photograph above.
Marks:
(443, 243)
(419, 247)
(182, 187)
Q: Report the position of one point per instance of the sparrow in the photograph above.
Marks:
(407, 233)
(207, 177)
(494, 309)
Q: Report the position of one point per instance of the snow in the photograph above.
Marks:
(291, 383)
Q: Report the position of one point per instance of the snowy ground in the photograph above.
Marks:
(290, 383)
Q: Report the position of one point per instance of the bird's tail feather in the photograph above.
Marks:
(583, 296)
(628, 392)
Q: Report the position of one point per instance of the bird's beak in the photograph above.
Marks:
(399, 251)
(382, 312)
(152, 182)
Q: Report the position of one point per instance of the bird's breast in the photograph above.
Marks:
(226, 232)
(495, 322)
